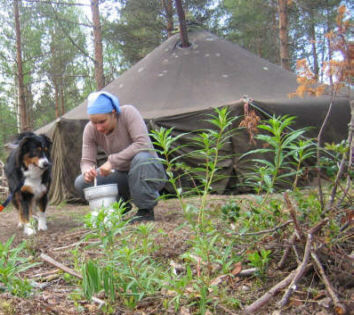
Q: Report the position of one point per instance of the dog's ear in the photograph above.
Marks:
(19, 151)
(46, 141)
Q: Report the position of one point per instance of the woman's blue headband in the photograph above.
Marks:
(102, 103)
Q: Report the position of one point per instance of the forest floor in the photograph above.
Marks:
(58, 294)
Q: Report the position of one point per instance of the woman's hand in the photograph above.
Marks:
(106, 168)
(90, 175)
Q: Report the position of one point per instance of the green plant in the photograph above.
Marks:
(280, 144)
(300, 152)
(166, 146)
(208, 150)
(332, 154)
(309, 206)
(11, 265)
(260, 260)
(231, 211)
(106, 223)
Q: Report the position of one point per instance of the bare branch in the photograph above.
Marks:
(287, 250)
(59, 265)
(339, 307)
(266, 231)
(300, 270)
(293, 216)
(264, 299)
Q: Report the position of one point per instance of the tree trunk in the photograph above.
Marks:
(283, 34)
(56, 93)
(20, 82)
(97, 34)
(313, 44)
(351, 130)
(62, 99)
(182, 24)
(167, 4)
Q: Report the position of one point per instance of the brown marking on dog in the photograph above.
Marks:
(17, 200)
(30, 160)
(22, 216)
(27, 189)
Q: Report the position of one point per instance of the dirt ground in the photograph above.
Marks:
(65, 227)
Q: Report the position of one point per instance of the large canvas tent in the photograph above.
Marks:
(177, 87)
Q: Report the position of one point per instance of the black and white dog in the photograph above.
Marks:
(28, 172)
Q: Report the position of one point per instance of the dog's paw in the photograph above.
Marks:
(20, 225)
(29, 230)
(42, 222)
(42, 225)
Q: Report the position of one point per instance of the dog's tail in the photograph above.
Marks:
(5, 203)
(9, 198)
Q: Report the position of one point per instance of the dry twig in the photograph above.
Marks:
(75, 244)
(264, 299)
(293, 216)
(59, 265)
(266, 231)
(287, 250)
(340, 309)
(292, 278)
(300, 270)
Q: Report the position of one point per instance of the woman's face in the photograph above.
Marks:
(104, 123)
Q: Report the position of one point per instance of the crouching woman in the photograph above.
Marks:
(131, 161)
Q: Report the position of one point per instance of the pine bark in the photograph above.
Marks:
(182, 24)
(168, 7)
(283, 34)
(97, 34)
(313, 44)
(20, 82)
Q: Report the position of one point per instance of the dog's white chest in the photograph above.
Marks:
(33, 179)
(38, 188)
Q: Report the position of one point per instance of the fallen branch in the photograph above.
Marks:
(75, 244)
(247, 272)
(287, 251)
(47, 273)
(300, 270)
(55, 263)
(265, 298)
(226, 310)
(292, 278)
(77, 233)
(59, 265)
(266, 231)
(293, 216)
(98, 301)
(318, 226)
(340, 309)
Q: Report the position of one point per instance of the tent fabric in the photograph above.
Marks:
(177, 87)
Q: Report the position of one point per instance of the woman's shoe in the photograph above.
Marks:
(143, 215)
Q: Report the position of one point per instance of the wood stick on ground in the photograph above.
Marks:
(287, 251)
(55, 263)
(75, 244)
(47, 273)
(300, 270)
(293, 216)
(265, 298)
(59, 265)
(266, 231)
(77, 233)
(247, 272)
(318, 226)
(298, 260)
(340, 309)
(226, 310)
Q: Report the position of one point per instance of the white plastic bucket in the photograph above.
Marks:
(101, 196)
